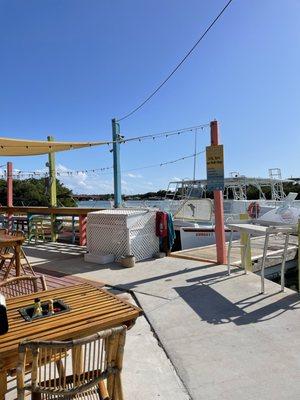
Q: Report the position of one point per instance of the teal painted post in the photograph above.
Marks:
(73, 230)
(116, 163)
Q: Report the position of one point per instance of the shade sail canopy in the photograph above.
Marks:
(18, 147)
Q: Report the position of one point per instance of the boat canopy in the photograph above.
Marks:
(21, 147)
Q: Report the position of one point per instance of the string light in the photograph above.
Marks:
(101, 170)
(45, 174)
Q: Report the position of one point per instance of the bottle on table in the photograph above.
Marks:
(37, 308)
(50, 307)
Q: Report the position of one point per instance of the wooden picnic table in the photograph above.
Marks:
(91, 310)
(14, 242)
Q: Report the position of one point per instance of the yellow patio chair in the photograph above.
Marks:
(36, 230)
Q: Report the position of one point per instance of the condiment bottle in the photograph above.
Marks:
(37, 308)
(3, 316)
(50, 307)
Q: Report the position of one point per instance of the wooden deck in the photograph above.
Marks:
(208, 253)
(56, 280)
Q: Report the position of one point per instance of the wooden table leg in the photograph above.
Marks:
(18, 259)
(3, 384)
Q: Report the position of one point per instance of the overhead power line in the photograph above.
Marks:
(179, 64)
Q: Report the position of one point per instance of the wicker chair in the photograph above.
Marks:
(7, 258)
(95, 365)
(21, 285)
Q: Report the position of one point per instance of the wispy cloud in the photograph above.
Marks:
(130, 175)
(89, 183)
(81, 182)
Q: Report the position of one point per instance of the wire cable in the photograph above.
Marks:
(162, 164)
(180, 63)
(166, 133)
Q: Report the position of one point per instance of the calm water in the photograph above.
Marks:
(162, 204)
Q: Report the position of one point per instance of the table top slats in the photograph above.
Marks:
(92, 309)
(75, 298)
(53, 293)
(78, 315)
(11, 241)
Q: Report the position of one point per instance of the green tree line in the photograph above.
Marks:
(35, 192)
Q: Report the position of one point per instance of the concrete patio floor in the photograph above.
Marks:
(224, 339)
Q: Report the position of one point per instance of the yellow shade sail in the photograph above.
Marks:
(18, 147)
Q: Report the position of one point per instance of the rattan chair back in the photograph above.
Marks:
(21, 285)
(95, 363)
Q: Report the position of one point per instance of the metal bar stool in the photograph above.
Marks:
(271, 231)
(245, 248)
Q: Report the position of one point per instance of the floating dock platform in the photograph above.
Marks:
(276, 243)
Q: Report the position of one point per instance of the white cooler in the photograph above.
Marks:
(120, 232)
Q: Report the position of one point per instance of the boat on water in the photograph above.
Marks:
(194, 215)
(193, 212)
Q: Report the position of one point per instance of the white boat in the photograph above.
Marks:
(194, 216)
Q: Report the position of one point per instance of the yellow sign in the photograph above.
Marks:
(215, 167)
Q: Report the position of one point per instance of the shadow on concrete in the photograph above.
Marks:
(167, 277)
(210, 306)
(270, 311)
(214, 308)
(215, 277)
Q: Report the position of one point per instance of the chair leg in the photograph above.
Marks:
(245, 254)
(229, 252)
(103, 390)
(282, 278)
(111, 359)
(9, 267)
(262, 272)
(3, 384)
(2, 264)
(27, 261)
(119, 364)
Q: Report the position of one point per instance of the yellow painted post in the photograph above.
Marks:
(244, 238)
(53, 192)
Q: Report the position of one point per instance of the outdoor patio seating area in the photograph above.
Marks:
(191, 307)
(70, 315)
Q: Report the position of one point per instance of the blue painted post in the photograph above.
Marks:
(116, 163)
(73, 230)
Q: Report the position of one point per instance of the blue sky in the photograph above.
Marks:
(69, 66)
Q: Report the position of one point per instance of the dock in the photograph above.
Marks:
(223, 339)
(208, 253)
